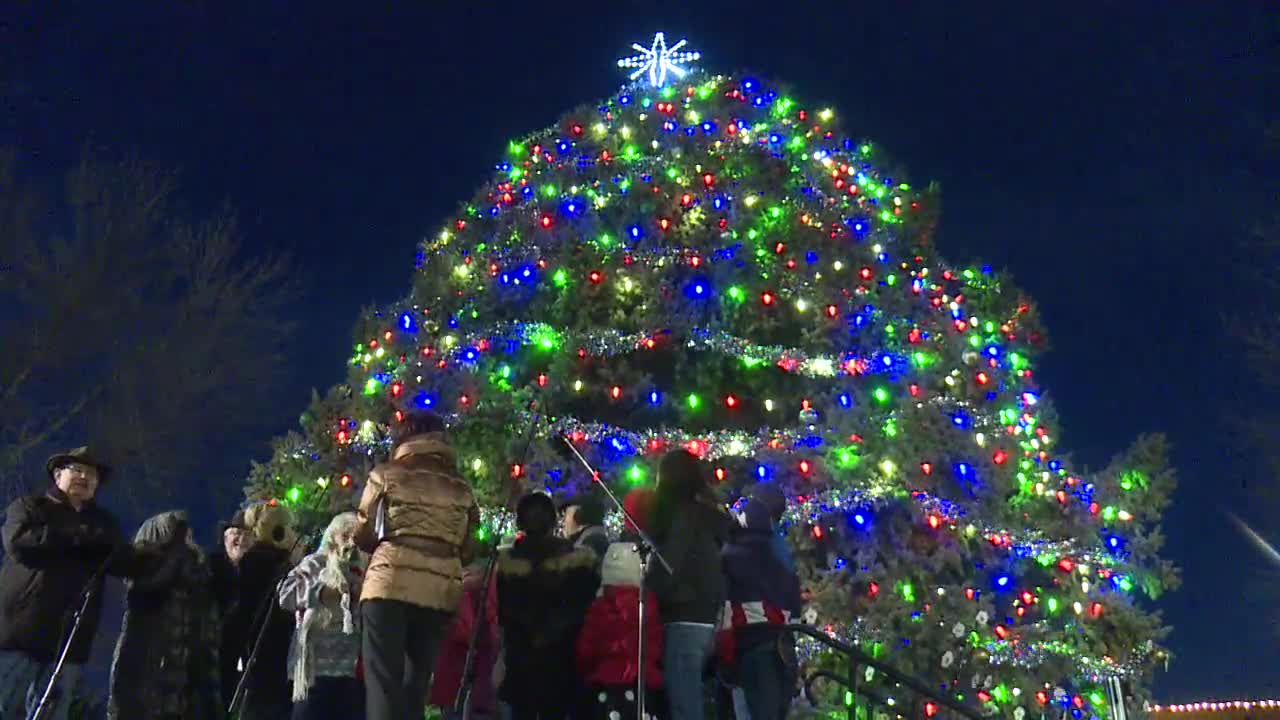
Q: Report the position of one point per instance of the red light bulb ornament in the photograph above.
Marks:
(805, 467)
(596, 277)
(766, 298)
(546, 221)
(730, 401)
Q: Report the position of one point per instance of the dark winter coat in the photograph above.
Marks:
(261, 570)
(545, 586)
(52, 553)
(594, 537)
(763, 593)
(166, 660)
(694, 591)
(226, 593)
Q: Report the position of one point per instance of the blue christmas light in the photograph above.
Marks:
(762, 472)
(655, 397)
(635, 231)
(845, 400)
(424, 400)
(407, 323)
(1003, 582)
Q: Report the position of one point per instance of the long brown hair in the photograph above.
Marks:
(682, 480)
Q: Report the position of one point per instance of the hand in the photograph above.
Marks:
(330, 598)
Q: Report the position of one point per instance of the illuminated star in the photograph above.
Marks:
(658, 60)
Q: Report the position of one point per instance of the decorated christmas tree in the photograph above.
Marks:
(713, 263)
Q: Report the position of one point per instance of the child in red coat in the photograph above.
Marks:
(609, 642)
(453, 651)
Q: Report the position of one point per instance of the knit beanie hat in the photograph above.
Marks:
(621, 566)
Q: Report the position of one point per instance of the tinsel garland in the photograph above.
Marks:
(601, 343)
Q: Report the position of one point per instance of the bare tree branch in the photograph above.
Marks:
(136, 328)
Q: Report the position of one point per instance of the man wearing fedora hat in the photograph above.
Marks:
(58, 545)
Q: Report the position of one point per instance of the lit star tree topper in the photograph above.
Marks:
(658, 60)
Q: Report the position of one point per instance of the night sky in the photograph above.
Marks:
(1109, 154)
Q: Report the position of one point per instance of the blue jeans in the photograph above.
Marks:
(332, 698)
(22, 684)
(764, 676)
(686, 649)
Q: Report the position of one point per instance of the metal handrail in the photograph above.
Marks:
(859, 658)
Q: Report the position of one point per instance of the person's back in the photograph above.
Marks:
(417, 520)
(763, 596)
(545, 586)
(166, 657)
(429, 513)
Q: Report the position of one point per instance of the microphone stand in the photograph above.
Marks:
(647, 550)
(85, 597)
(263, 614)
(462, 701)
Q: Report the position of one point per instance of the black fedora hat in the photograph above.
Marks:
(81, 456)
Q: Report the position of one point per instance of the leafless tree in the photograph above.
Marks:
(126, 324)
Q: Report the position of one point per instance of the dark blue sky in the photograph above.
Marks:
(1108, 153)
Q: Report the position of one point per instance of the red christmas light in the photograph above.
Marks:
(1000, 457)
(345, 481)
(542, 381)
(1002, 632)
(926, 468)
(934, 522)
(546, 221)
(766, 298)
(396, 389)
(865, 273)
(873, 589)
(1095, 609)
(1065, 565)
(730, 401)
(805, 467)
(517, 470)
(832, 311)
(708, 179)
(616, 392)
(596, 276)
(664, 223)
(982, 378)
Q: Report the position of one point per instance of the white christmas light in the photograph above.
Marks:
(658, 60)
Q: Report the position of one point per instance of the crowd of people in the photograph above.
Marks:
(379, 621)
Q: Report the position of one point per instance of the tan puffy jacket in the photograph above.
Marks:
(430, 521)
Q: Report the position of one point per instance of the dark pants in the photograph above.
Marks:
(265, 710)
(545, 707)
(332, 698)
(764, 682)
(400, 642)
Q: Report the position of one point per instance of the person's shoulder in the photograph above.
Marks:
(571, 558)
(26, 503)
(511, 564)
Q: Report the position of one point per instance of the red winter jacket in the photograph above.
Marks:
(453, 651)
(608, 643)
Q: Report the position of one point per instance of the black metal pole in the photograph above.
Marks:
(462, 701)
(263, 614)
(647, 549)
(44, 705)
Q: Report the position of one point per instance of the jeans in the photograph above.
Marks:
(686, 649)
(400, 643)
(764, 676)
(332, 698)
(22, 684)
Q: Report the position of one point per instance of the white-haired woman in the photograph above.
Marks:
(323, 592)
